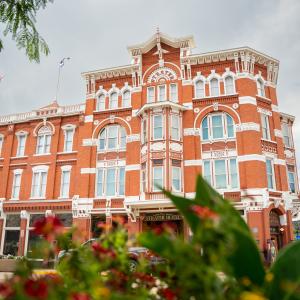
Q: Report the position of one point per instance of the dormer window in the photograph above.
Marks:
(260, 88)
(43, 140)
(101, 102)
(113, 101)
(214, 87)
(126, 99)
(199, 89)
(229, 85)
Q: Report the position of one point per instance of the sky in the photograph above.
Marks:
(95, 34)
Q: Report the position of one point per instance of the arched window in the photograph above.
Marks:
(43, 140)
(260, 88)
(214, 87)
(113, 101)
(229, 85)
(217, 126)
(101, 102)
(199, 89)
(126, 99)
(112, 137)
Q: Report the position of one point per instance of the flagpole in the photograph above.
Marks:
(61, 64)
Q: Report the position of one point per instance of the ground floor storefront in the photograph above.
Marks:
(271, 226)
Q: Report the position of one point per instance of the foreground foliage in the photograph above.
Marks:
(220, 261)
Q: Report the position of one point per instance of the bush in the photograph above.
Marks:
(220, 261)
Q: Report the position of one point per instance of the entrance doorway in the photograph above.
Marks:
(275, 226)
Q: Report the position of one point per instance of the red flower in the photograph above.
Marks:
(168, 294)
(145, 278)
(101, 251)
(36, 288)
(204, 212)
(80, 296)
(48, 227)
(6, 290)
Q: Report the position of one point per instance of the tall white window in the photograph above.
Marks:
(260, 88)
(199, 89)
(43, 140)
(270, 173)
(265, 126)
(39, 182)
(21, 144)
(287, 136)
(221, 173)
(101, 102)
(292, 184)
(173, 92)
(65, 182)
(113, 100)
(229, 85)
(110, 181)
(143, 178)
(175, 127)
(150, 94)
(162, 93)
(144, 131)
(68, 145)
(157, 127)
(1, 144)
(217, 126)
(157, 178)
(176, 179)
(214, 87)
(126, 99)
(16, 184)
(112, 137)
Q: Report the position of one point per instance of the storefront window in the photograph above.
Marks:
(11, 242)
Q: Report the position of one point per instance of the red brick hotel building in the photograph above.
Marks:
(164, 118)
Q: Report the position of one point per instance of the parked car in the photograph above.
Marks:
(134, 254)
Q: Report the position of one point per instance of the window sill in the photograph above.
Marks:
(111, 150)
(69, 152)
(212, 97)
(37, 198)
(112, 109)
(64, 198)
(14, 199)
(263, 98)
(218, 140)
(19, 157)
(109, 197)
(42, 154)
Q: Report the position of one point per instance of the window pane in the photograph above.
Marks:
(233, 173)
(229, 87)
(13, 220)
(122, 137)
(122, 181)
(220, 174)
(176, 179)
(200, 89)
(110, 182)
(207, 172)
(126, 99)
(230, 126)
(269, 174)
(157, 178)
(35, 184)
(65, 185)
(214, 87)
(68, 140)
(112, 137)
(150, 94)
(47, 143)
(161, 93)
(100, 182)
(205, 129)
(157, 127)
(265, 127)
(144, 131)
(292, 182)
(173, 92)
(113, 100)
(175, 127)
(21, 145)
(40, 144)
(11, 241)
(101, 102)
(16, 186)
(217, 127)
(43, 184)
(102, 139)
(260, 88)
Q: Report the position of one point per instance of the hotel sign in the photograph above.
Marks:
(162, 217)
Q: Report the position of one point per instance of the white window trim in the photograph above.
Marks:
(224, 124)
(154, 188)
(170, 92)
(110, 99)
(228, 173)
(16, 172)
(19, 135)
(158, 94)
(273, 174)
(123, 93)
(104, 179)
(65, 128)
(50, 133)
(180, 179)
(154, 94)
(163, 127)
(144, 123)
(98, 102)
(66, 168)
(233, 83)
(179, 127)
(118, 146)
(268, 127)
(210, 90)
(259, 78)
(39, 169)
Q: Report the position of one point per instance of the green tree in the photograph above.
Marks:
(19, 19)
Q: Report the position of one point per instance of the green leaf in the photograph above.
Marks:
(286, 272)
